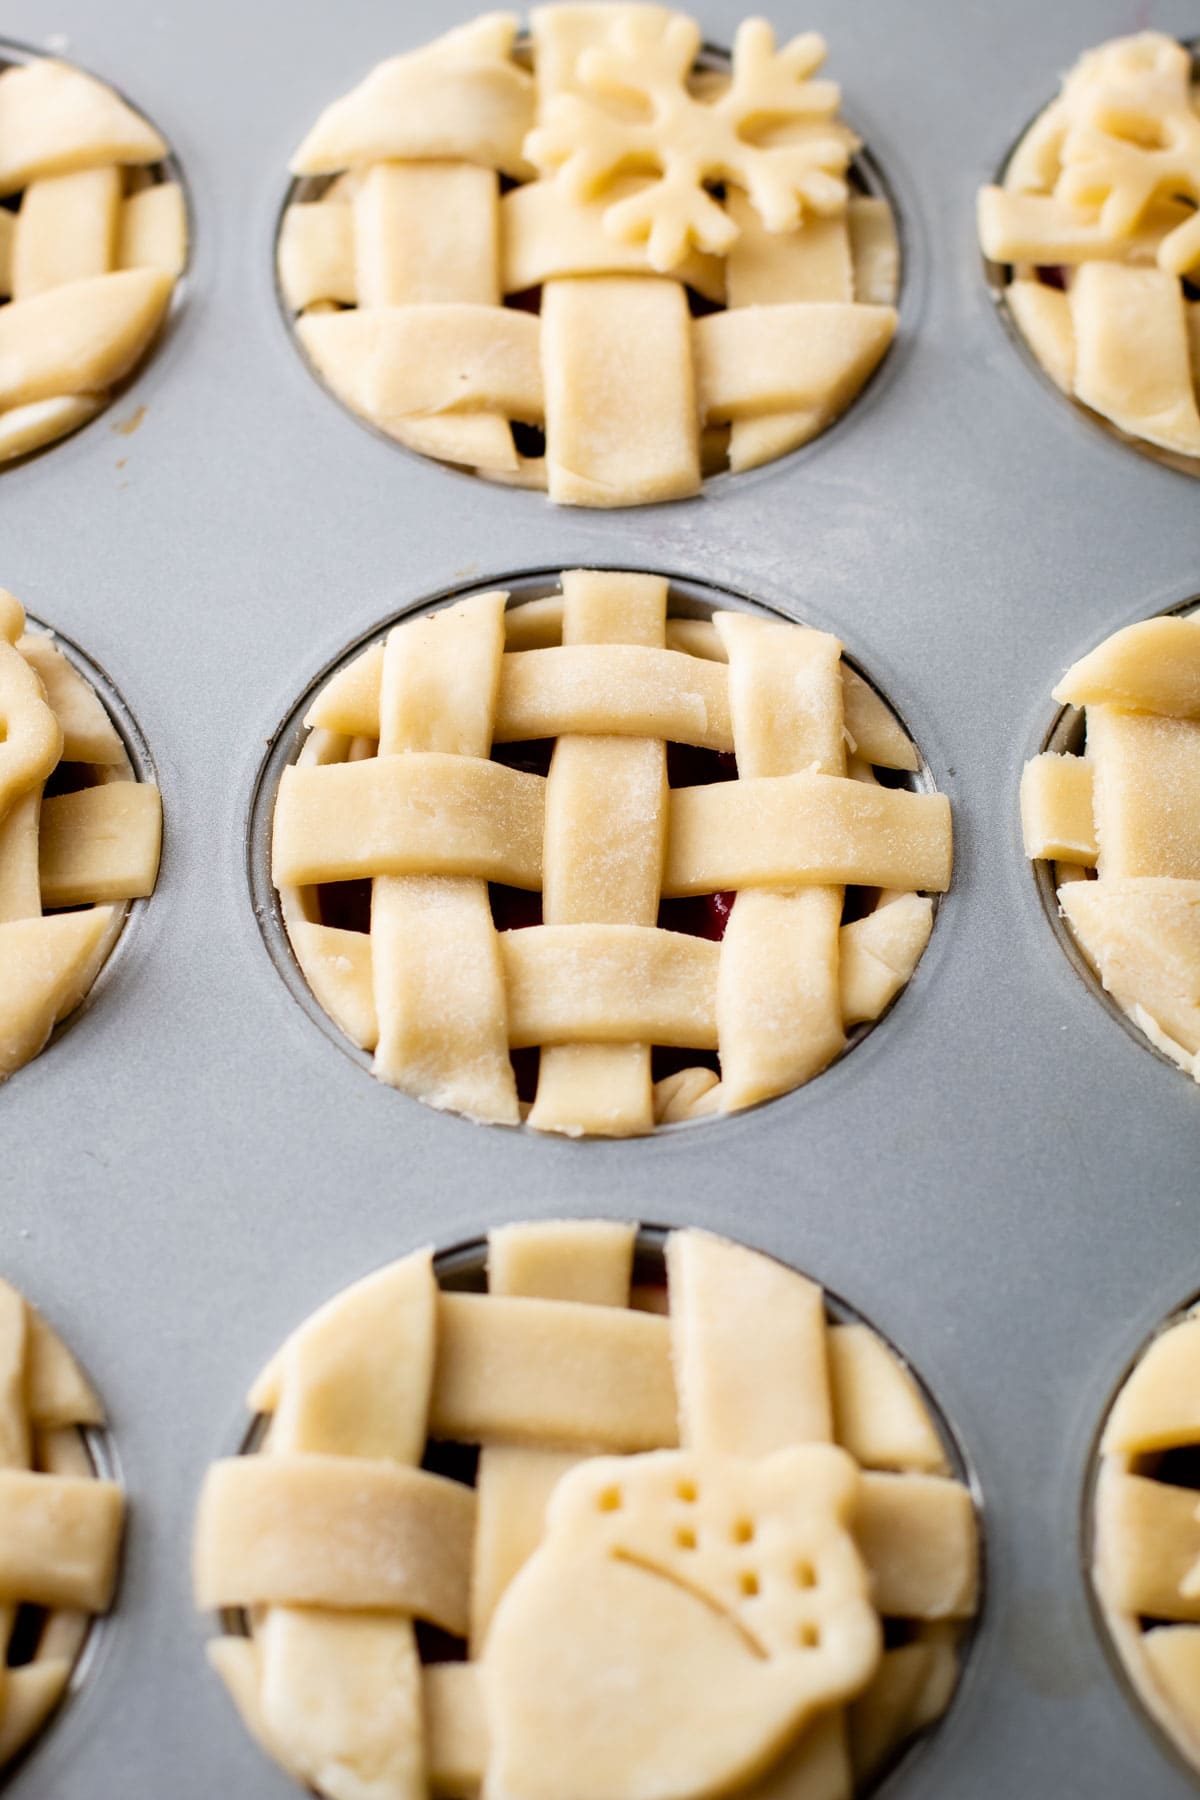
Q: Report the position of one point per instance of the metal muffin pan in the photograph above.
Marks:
(1000, 1177)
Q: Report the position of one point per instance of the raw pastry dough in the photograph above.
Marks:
(1146, 1536)
(60, 1526)
(92, 845)
(89, 259)
(1128, 814)
(444, 309)
(1098, 227)
(402, 783)
(692, 1617)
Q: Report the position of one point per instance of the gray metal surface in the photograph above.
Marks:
(1000, 1176)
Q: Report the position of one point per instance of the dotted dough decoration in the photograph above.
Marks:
(1098, 221)
(71, 859)
(521, 236)
(668, 1575)
(1121, 826)
(60, 1524)
(1146, 1537)
(399, 783)
(91, 245)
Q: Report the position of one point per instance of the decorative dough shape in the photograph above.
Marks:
(1100, 197)
(610, 149)
(652, 1624)
(658, 1645)
(1130, 810)
(93, 845)
(405, 781)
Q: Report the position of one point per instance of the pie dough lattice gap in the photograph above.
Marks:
(1088, 353)
(62, 1517)
(917, 1516)
(735, 349)
(95, 232)
(685, 1091)
(1066, 739)
(1141, 1532)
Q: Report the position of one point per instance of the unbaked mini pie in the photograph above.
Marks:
(715, 1553)
(669, 813)
(92, 238)
(650, 266)
(1121, 825)
(79, 836)
(1146, 1530)
(1097, 232)
(60, 1523)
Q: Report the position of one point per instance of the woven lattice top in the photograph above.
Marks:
(79, 837)
(89, 249)
(666, 1575)
(428, 773)
(1122, 825)
(654, 269)
(60, 1526)
(1098, 219)
(1147, 1530)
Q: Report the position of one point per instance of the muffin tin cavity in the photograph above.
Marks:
(80, 830)
(528, 888)
(598, 259)
(61, 1521)
(93, 239)
(655, 1447)
(1144, 1547)
(1091, 243)
(1111, 818)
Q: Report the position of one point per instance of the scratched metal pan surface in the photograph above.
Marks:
(1000, 1176)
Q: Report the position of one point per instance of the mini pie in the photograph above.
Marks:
(79, 837)
(1121, 824)
(660, 268)
(668, 1576)
(427, 774)
(90, 247)
(60, 1526)
(1097, 223)
(1146, 1548)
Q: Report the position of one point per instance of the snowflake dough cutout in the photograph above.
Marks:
(590, 138)
(684, 1618)
(1135, 141)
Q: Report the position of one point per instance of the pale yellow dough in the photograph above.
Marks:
(397, 784)
(1105, 187)
(89, 259)
(60, 1526)
(611, 223)
(691, 1621)
(1129, 810)
(1146, 1533)
(94, 847)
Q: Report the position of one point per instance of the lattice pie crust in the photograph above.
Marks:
(667, 1577)
(1122, 826)
(90, 246)
(79, 837)
(662, 269)
(1098, 221)
(60, 1526)
(402, 783)
(1146, 1564)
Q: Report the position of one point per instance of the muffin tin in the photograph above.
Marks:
(1000, 1176)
